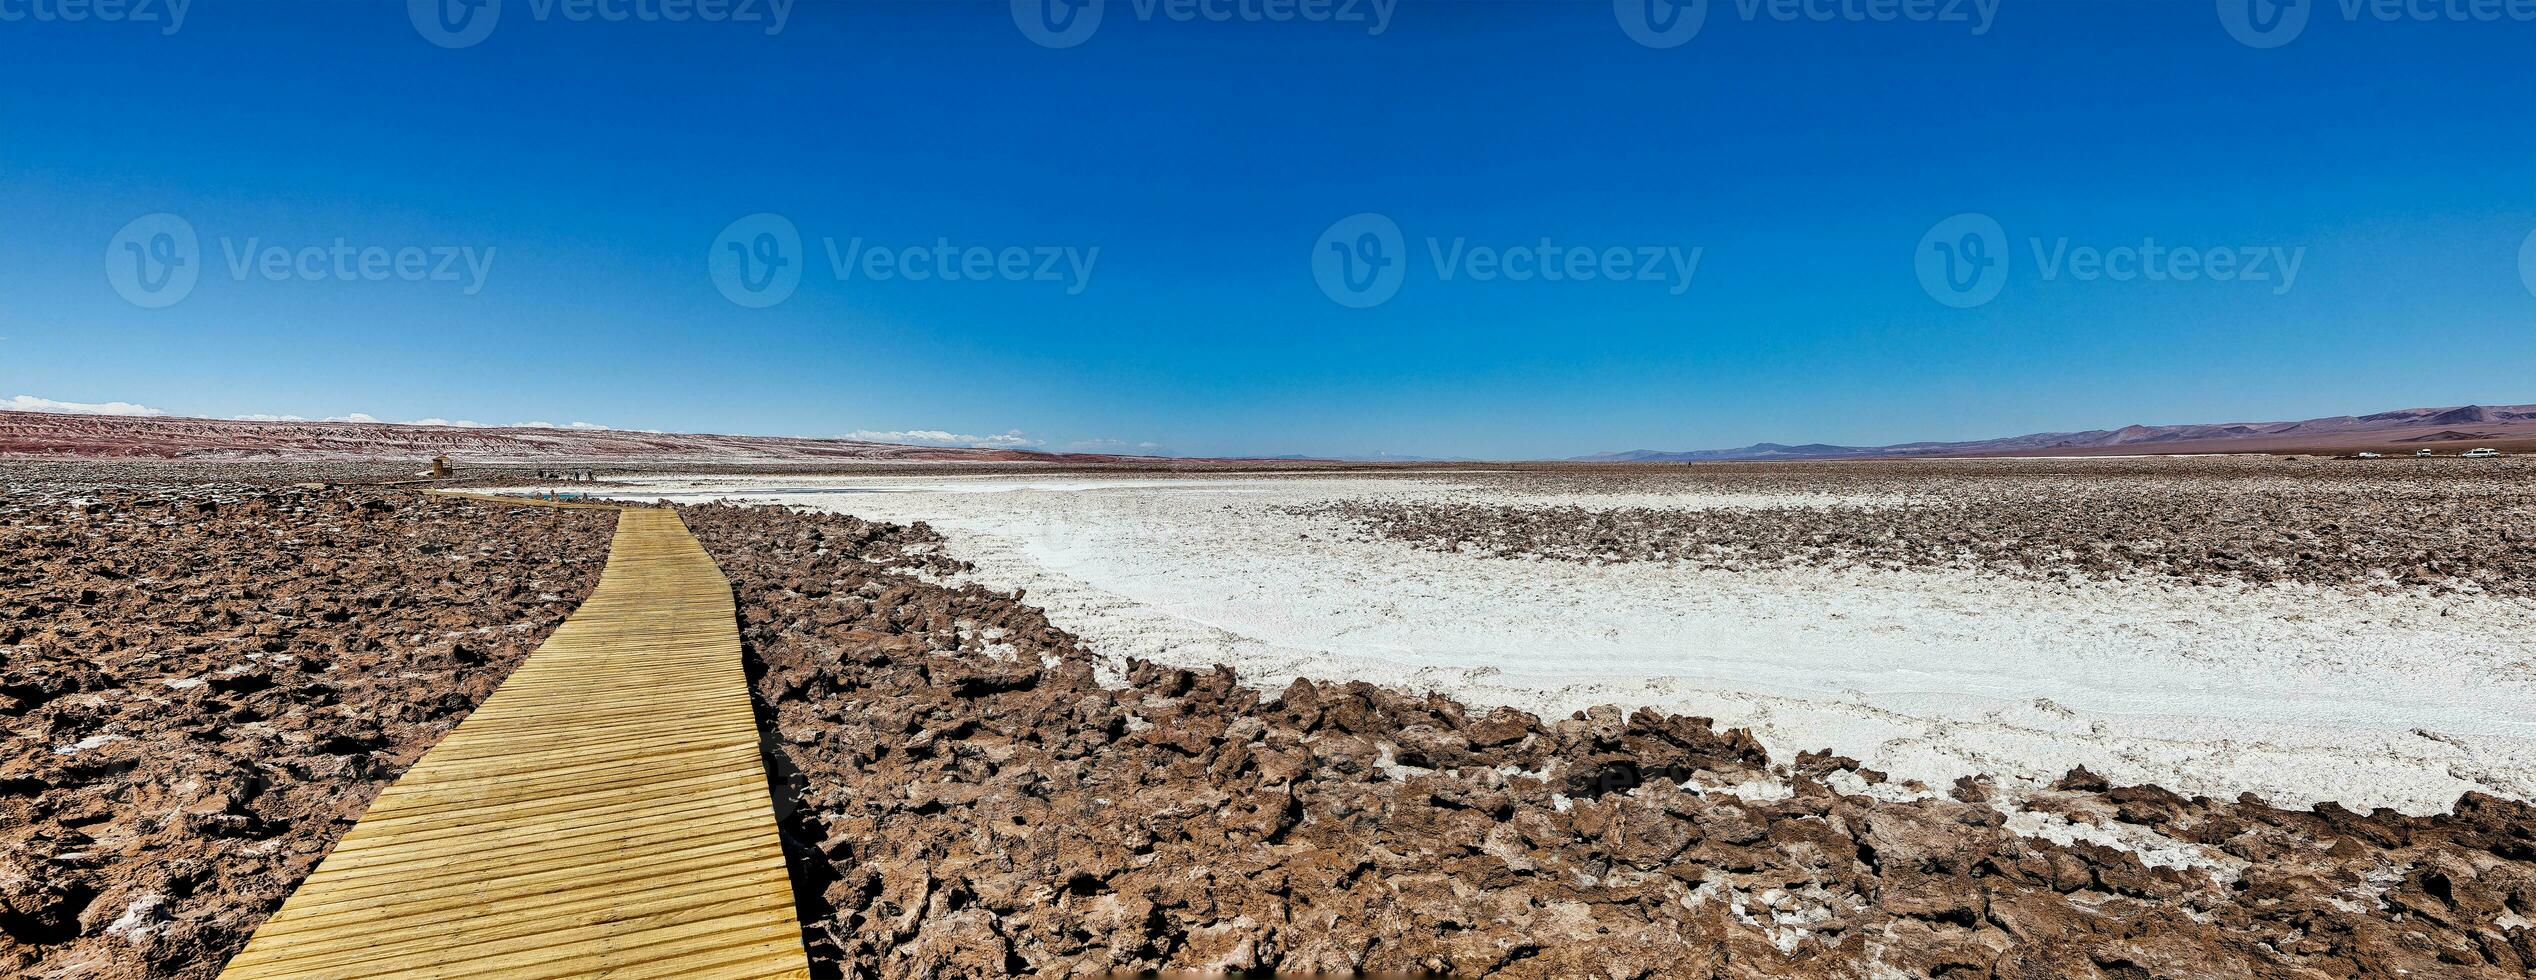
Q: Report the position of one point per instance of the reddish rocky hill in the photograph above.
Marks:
(2510, 428)
(40, 434)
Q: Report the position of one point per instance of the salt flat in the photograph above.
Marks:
(2297, 692)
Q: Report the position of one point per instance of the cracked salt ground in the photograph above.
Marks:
(85, 744)
(172, 772)
(958, 813)
(2101, 827)
(2152, 848)
(1789, 914)
(2300, 693)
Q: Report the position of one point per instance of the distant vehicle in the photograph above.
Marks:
(2482, 453)
(2424, 452)
(2367, 456)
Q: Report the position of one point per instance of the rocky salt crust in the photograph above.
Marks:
(2474, 535)
(202, 684)
(960, 796)
(2220, 662)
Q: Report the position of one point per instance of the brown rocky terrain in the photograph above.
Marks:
(2459, 525)
(962, 796)
(203, 684)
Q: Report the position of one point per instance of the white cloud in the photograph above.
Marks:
(937, 437)
(367, 418)
(30, 403)
(361, 417)
(1111, 446)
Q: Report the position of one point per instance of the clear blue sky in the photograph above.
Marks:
(1205, 160)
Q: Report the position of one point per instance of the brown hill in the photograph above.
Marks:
(2452, 435)
(40, 434)
(2509, 428)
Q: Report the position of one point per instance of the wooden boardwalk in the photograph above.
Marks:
(603, 814)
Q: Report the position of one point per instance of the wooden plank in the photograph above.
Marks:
(603, 814)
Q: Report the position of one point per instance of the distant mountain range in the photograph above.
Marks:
(2507, 427)
(25, 434)
(1372, 458)
(2510, 428)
